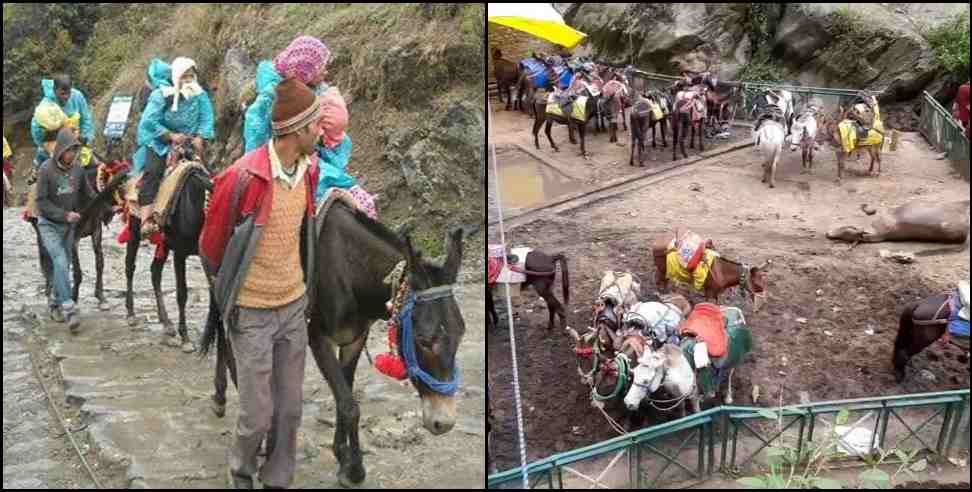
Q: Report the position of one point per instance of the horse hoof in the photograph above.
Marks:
(352, 479)
(218, 410)
(132, 321)
(171, 341)
(188, 347)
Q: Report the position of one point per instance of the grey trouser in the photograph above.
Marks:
(270, 346)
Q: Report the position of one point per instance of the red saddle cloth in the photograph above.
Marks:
(707, 324)
(494, 267)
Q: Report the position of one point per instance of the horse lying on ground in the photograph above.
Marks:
(930, 222)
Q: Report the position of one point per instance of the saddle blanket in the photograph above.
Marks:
(172, 183)
(848, 133)
(511, 275)
(958, 327)
(695, 278)
(661, 320)
(535, 71)
(707, 325)
(690, 248)
(620, 288)
(576, 109)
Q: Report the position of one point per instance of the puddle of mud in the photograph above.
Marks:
(525, 182)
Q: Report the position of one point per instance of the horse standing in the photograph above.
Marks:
(507, 76)
(689, 112)
(723, 274)
(769, 141)
(542, 117)
(541, 271)
(804, 136)
(182, 233)
(873, 144)
(643, 117)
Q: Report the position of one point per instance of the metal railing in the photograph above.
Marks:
(711, 441)
(944, 133)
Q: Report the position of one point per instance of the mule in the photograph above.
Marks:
(181, 233)
(922, 324)
(804, 136)
(666, 368)
(723, 275)
(689, 111)
(833, 137)
(541, 270)
(507, 76)
(643, 118)
(541, 118)
(346, 290)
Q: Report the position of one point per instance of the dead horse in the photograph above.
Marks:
(929, 222)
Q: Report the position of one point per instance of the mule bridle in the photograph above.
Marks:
(406, 301)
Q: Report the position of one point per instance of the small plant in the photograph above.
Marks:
(792, 469)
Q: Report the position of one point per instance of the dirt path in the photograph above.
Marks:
(811, 336)
(147, 405)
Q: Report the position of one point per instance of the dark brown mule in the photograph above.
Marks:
(507, 76)
(724, 274)
(619, 101)
(541, 270)
(642, 118)
(921, 324)
(717, 98)
(541, 117)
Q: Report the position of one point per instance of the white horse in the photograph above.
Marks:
(804, 135)
(769, 141)
(667, 368)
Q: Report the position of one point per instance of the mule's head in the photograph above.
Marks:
(758, 283)
(438, 328)
(647, 378)
(846, 233)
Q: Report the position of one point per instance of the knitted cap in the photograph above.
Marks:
(334, 117)
(294, 108)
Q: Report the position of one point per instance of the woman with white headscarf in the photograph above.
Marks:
(178, 111)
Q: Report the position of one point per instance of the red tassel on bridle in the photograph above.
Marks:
(391, 364)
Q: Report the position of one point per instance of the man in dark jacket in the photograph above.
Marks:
(259, 221)
(57, 191)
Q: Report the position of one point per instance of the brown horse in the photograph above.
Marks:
(723, 275)
(831, 135)
(717, 98)
(689, 112)
(921, 324)
(507, 77)
(541, 270)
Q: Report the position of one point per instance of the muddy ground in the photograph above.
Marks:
(144, 406)
(811, 335)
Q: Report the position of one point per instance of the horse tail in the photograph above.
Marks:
(214, 331)
(903, 340)
(564, 276)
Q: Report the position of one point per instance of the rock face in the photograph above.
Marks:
(666, 38)
(514, 45)
(870, 46)
(432, 157)
(235, 74)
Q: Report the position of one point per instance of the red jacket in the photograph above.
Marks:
(239, 207)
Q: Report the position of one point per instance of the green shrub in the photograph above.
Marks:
(950, 43)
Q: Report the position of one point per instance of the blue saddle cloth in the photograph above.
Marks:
(535, 70)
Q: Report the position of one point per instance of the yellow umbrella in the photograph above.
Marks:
(538, 19)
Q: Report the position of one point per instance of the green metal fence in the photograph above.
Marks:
(732, 439)
(944, 133)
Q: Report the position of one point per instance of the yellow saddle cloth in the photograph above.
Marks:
(848, 134)
(576, 112)
(697, 278)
